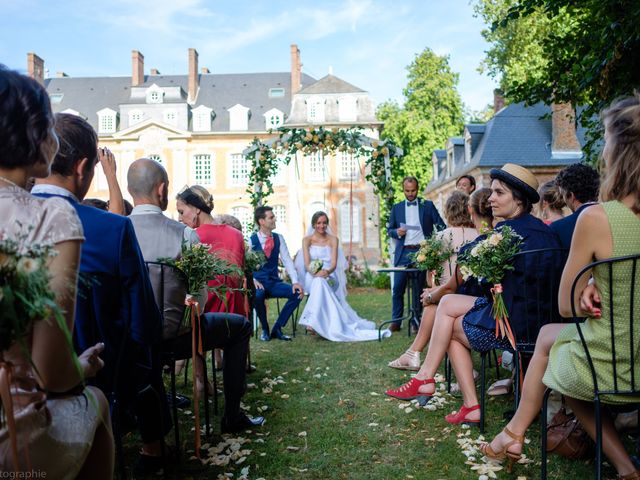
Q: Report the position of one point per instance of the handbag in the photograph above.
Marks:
(567, 437)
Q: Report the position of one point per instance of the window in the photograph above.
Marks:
(238, 117)
(170, 117)
(155, 157)
(135, 116)
(316, 167)
(56, 97)
(202, 169)
(274, 118)
(276, 92)
(467, 148)
(239, 170)
(106, 121)
(280, 211)
(315, 110)
(154, 94)
(350, 222)
(449, 161)
(434, 164)
(279, 177)
(202, 119)
(349, 166)
(246, 219)
(347, 109)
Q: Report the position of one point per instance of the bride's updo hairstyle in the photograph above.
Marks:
(316, 216)
(621, 154)
(198, 197)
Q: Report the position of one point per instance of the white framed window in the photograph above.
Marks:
(276, 92)
(156, 158)
(202, 119)
(348, 165)
(135, 116)
(315, 110)
(239, 170)
(467, 148)
(347, 109)
(244, 214)
(274, 118)
(350, 222)
(154, 94)
(280, 211)
(170, 117)
(107, 121)
(316, 167)
(202, 172)
(238, 118)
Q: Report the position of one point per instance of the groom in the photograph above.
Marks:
(267, 281)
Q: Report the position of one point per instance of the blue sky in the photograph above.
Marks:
(368, 43)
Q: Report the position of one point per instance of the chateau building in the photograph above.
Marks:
(197, 126)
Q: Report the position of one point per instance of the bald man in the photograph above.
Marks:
(162, 237)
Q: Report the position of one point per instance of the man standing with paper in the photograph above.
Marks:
(411, 221)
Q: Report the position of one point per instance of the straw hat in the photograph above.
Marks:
(519, 178)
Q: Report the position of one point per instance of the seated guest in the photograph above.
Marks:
(119, 308)
(60, 434)
(465, 322)
(466, 184)
(551, 203)
(578, 184)
(481, 216)
(611, 229)
(161, 237)
(226, 219)
(194, 205)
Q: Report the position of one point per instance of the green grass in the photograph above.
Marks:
(330, 419)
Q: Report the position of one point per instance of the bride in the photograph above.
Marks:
(322, 265)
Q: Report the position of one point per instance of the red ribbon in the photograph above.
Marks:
(6, 374)
(196, 352)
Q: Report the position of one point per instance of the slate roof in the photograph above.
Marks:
(217, 91)
(331, 84)
(516, 134)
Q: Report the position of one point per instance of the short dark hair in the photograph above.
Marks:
(412, 179)
(581, 180)
(522, 197)
(260, 213)
(78, 140)
(96, 203)
(25, 119)
(471, 178)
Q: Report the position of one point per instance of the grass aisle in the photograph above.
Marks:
(327, 417)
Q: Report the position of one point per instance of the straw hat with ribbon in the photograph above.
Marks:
(519, 178)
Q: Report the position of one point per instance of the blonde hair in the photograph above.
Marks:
(621, 157)
(203, 194)
(549, 193)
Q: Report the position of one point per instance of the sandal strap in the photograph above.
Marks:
(516, 438)
(412, 354)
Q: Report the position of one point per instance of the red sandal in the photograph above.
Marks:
(411, 390)
(460, 417)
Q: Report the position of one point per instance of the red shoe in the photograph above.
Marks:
(410, 390)
(461, 416)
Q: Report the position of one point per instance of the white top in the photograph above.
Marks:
(53, 190)
(412, 217)
(284, 255)
(190, 236)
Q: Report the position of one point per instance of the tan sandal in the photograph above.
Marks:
(414, 361)
(488, 452)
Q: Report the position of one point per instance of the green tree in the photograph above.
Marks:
(432, 112)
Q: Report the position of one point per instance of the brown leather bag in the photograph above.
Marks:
(566, 437)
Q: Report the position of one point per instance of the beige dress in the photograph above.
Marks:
(458, 237)
(56, 433)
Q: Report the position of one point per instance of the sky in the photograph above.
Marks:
(368, 43)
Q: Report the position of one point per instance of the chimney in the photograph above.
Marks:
(35, 67)
(155, 71)
(137, 65)
(296, 69)
(498, 100)
(194, 79)
(563, 128)
(204, 70)
(61, 75)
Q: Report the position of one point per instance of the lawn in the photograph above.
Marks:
(327, 417)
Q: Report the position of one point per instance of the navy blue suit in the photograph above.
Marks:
(565, 226)
(430, 220)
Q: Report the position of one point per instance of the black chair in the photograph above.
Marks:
(613, 268)
(541, 269)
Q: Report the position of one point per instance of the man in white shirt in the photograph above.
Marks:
(267, 281)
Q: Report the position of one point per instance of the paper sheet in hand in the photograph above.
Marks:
(410, 227)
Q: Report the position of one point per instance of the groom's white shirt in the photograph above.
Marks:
(284, 255)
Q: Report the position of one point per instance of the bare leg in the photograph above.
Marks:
(99, 462)
(611, 444)
(449, 309)
(532, 390)
(460, 355)
(202, 382)
(426, 326)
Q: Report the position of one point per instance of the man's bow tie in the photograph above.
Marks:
(412, 204)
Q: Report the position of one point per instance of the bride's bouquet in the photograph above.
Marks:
(433, 252)
(489, 261)
(315, 266)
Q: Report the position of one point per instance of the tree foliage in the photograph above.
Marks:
(432, 112)
(579, 51)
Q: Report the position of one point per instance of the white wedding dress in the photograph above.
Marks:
(327, 311)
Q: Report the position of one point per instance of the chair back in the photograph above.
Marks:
(534, 302)
(620, 275)
(170, 286)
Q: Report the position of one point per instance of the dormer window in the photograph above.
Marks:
(347, 109)
(276, 92)
(155, 94)
(274, 118)
(135, 116)
(239, 117)
(106, 121)
(315, 110)
(449, 160)
(170, 117)
(56, 97)
(201, 119)
(467, 147)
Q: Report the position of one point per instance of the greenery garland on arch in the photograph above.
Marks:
(266, 155)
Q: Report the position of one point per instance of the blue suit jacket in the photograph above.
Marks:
(429, 220)
(565, 226)
(115, 292)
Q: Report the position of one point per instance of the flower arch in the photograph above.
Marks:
(266, 155)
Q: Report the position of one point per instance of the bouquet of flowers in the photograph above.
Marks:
(25, 294)
(253, 260)
(488, 261)
(315, 266)
(433, 252)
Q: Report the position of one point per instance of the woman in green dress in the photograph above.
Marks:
(602, 231)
